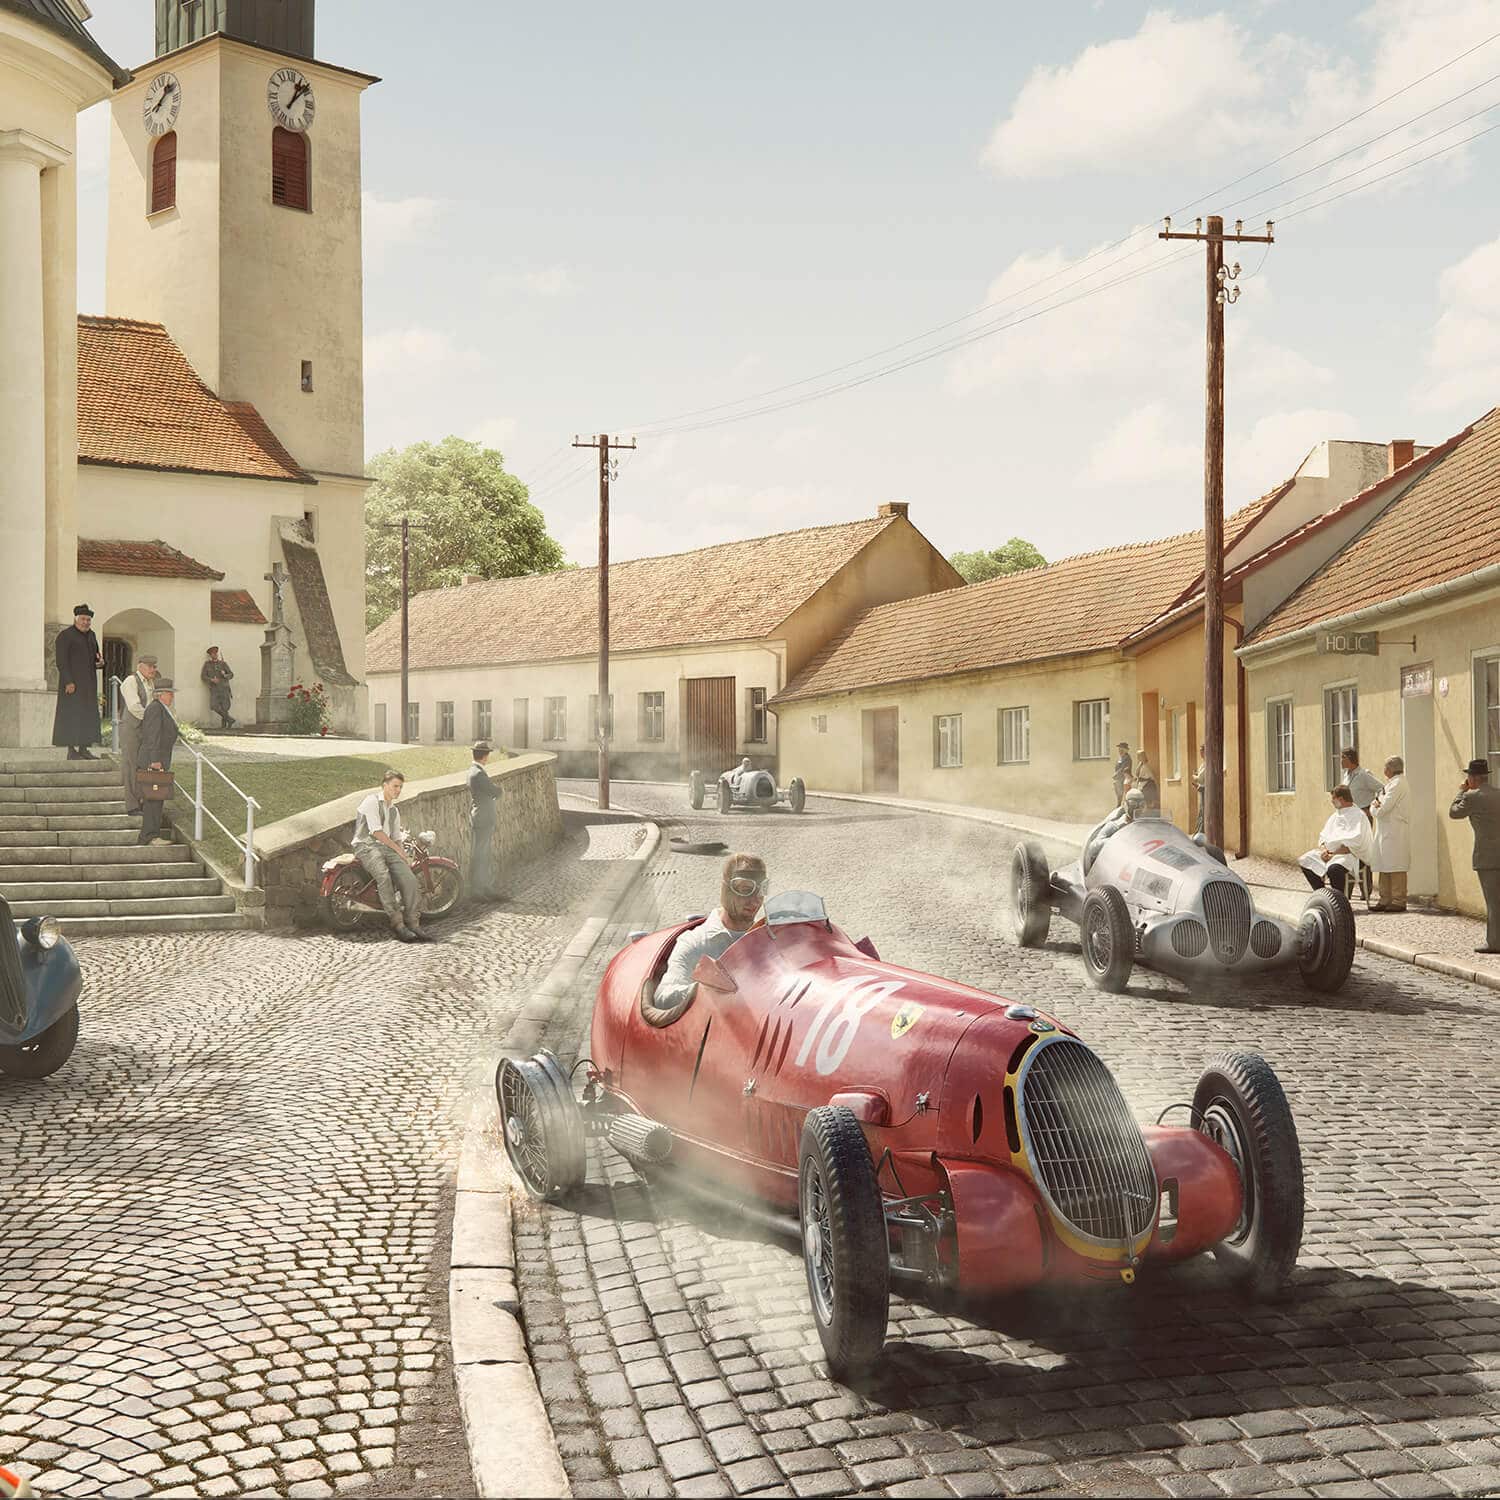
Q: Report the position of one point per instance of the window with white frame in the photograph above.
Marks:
(948, 740)
(484, 718)
(414, 722)
(520, 722)
(608, 727)
(653, 716)
(445, 721)
(1340, 728)
(820, 723)
(757, 716)
(555, 720)
(1487, 710)
(1281, 772)
(1091, 729)
(1015, 736)
(1174, 745)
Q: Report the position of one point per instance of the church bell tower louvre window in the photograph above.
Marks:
(164, 173)
(291, 170)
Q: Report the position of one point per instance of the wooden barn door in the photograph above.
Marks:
(708, 735)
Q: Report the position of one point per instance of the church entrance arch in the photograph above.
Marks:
(133, 633)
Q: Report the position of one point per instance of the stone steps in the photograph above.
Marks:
(15, 858)
(56, 894)
(68, 822)
(239, 921)
(14, 876)
(66, 793)
(12, 842)
(142, 907)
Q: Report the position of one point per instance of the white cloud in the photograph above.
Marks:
(398, 221)
(410, 353)
(1150, 445)
(494, 432)
(1180, 89)
(1271, 450)
(1463, 357)
(542, 281)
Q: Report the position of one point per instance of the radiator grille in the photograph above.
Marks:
(12, 981)
(1265, 940)
(1226, 905)
(1085, 1146)
(1189, 939)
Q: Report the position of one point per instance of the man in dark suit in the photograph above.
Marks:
(483, 880)
(158, 736)
(1479, 802)
(76, 722)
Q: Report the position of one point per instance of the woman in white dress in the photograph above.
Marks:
(1392, 814)
(1346, 839)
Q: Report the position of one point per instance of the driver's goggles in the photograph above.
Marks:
(744, 885)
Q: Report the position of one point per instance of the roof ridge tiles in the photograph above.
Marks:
(116, 320)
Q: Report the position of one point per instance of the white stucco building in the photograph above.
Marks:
(184, 460)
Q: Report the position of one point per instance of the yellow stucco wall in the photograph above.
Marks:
(1450, 636)
(822, 740)
(250, 289)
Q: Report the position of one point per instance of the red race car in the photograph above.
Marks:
(901, 1124)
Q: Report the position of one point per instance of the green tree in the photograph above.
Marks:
(468, 516)
(1016, 556)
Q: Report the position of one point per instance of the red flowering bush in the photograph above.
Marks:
(309, 712)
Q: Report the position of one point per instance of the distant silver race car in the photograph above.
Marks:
(743, 786)
(1144, 890)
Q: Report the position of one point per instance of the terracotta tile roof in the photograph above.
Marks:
(140, 560)
(140, 406)
(1440, 529)
(734, 591)
(1086, 603)
(235, 607)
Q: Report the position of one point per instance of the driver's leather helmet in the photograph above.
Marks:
(1135, 802)
(742, 866)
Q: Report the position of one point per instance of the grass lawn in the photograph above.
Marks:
(284, 787)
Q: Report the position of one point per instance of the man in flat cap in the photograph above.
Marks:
(154, 753)
(1479, 802)
(76, 722)
(217, 674)
(135, 698)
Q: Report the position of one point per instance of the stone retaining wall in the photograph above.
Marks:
(291, 852)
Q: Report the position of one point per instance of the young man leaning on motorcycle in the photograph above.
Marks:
(378, 844)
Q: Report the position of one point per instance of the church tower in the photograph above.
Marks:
(235, 217)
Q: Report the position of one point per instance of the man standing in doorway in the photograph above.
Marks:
(1200, 780)
(1121, 777)
(76, 722)
(1479, 802)
(483, 884)
(135, 699)
(154, 753)
(217, 674)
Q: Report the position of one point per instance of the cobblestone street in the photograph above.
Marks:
(226, 1240)
(676, 1351)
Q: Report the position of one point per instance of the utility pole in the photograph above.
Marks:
(1220, 292)
(404, 527)
(605, 719)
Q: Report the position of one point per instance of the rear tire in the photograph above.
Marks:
(44, 1055)
(1108, 939)
(845, 1249)
(338, 907)
(695, 789)
(726, 797)
(542, 1125)
(1326, 941)
(797, 794)
(1030, 895)
(1239, 1104)
(447, 886)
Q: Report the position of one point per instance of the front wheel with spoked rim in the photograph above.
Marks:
(542, 1125)
(1108, 939)
(845, 1248)
(1239, 1104)
(341, 907)
(1030, 895)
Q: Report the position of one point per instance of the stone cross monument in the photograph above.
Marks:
(278, 656)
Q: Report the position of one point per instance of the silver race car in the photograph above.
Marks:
(1145, 891)
(744, 786)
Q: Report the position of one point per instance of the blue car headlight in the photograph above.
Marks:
(42, 932)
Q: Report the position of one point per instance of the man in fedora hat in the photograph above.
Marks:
(76, 722)
(1479, 802)
(135, 698)
(154, 753)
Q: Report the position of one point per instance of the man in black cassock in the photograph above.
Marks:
(76, 723)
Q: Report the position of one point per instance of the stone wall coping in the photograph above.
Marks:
(303, 828)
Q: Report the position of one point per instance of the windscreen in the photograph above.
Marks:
(794, 906)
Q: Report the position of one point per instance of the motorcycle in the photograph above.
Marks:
(348, 893)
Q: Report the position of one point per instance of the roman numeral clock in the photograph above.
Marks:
(161, 104)
(289, 96)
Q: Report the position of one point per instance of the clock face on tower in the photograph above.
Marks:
(162, 102)
(289, 97)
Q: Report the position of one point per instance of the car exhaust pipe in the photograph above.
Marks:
(638, 1139)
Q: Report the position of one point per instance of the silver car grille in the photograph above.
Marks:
(1085, 1147)
(1189, 938)
(1265, 940)
(1226, 906)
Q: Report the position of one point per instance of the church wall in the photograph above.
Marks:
(338, 508)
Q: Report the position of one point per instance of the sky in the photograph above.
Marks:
(586, 218)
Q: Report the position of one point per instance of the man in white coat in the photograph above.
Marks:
(1345, 840)
(1392, 816)
(135, 696)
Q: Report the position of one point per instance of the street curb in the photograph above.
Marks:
(512, 1449)
(1419, 958)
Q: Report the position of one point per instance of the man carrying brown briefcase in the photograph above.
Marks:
(153, 774)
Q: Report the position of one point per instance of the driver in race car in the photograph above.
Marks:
(738, 775)
(742, 889)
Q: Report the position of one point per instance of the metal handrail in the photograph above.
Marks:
(247, 848)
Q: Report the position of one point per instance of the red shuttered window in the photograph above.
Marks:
(290, 172)
(164, 173)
